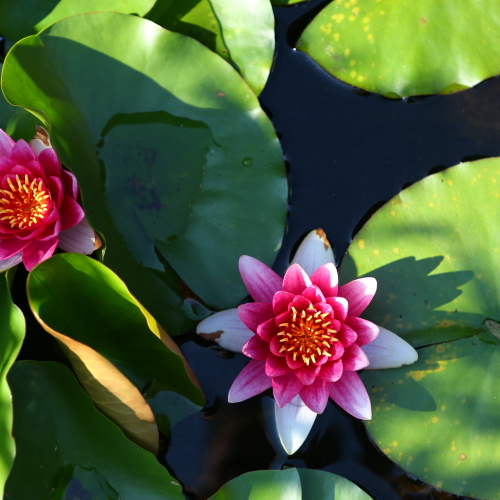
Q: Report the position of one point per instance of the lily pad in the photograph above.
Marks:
(229, 189)
(400, 49)
(240, 32)
(11, 339)
(27, 17)
(290, 484)
(78, 445)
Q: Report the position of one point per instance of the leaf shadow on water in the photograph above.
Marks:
(408, 297)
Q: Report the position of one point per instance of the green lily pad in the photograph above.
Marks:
(434, 250)
(27, 17)
(290, 484)
(400, 49)
(77, 447)
(179, 128)
(240, 32)
(11, 338)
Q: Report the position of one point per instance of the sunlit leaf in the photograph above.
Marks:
(188, 174)
(64, 445)
(400, 49)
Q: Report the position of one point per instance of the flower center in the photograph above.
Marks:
(307, 334)
(25, 204)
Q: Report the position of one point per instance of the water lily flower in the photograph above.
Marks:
(306, 339)
(38, 204)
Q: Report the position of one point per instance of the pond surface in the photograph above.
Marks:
(348, 152)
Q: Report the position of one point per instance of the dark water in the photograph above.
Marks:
(348, 152)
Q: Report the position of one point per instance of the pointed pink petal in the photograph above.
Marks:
(285, 388)
(81, 239)
(251, 381)
(307, 374)
(70, 212)
(359, 294)
(37, 251)
(50, 163)
(300, 303)
(326, 278)
(336, 350)
(275, 346)
(313, 252)
(261, 281)
(350, 394)
(56, 190)
(233, 333)
(70, 184)
(256, 348)
(389, 350)
(296, 280)
(346, 335)
(331, 371)
(276, 366)
(280, 302)
(50, 232)
(294, 421)
(339, 306)
(365, 330)
(6, 144)
(255, 313)
(267, 330)
(10, 246)
(6, 164)
(294, 365)
(313, 293)
(21, 153)
(324, 308)
(12, 261)
(354, 359)
(36, 170)
(315, 396)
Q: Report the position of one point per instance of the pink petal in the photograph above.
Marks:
(21, 153)
(56, 190)
(315, 396)
(261, 281)
(255, 313)
(326, 278)
(339, 306)
(366, 330)
(350, 394)
(285, 388)
(300, 303)
(70, 212)
(267, 330)
(251, 381)
(354, 359)
(313, 293)
(36, 169)
(359, 294)
(12, 261)
(275, 346)
(331, 371)
(307, 374)
(294, 365)
(6, 164)
(38, 251)
(21, 171)
(347, 335)
(256, 348)
(50, 163)
(281, 300)
(336, 350)
(296, 280)
(313, 252)
(10, 246)
(81, 239)
(51, 230)
(6, 144)
(70, 184)
(276, 366)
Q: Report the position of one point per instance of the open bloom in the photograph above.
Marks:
(306, 339)
(38, 204)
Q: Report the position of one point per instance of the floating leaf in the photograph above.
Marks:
(62, 440)
(11, 338)
(399, 49)
(241, 32)
(189, 173)
(89, 309)
(26, 17)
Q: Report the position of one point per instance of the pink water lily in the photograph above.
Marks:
(306, 339)
(39, 209)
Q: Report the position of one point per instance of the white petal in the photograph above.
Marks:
(11, 261)
(80, 238)
(294, 421)
(41, 140)
(389, 350)
(313, 252)
(226, 328)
